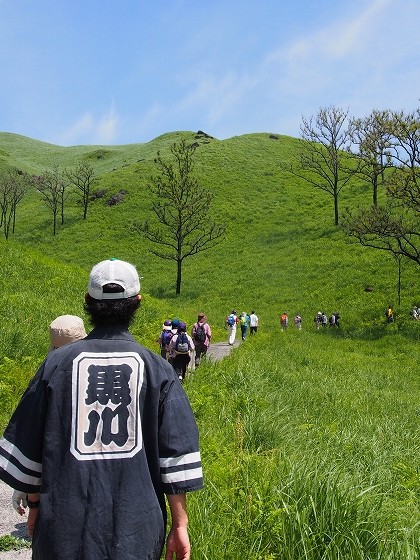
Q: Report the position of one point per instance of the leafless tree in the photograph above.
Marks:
(82, 178)
(13, 186)
(52, 187)
(182, 210)
(395, 226)
(374, 144)
(323, 158)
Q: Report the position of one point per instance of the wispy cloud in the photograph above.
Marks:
(340, 38)
(107, 129)
(80, 129)
(87, 130)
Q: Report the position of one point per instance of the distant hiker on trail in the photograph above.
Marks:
(318, 320)
(389, 314)
(415, 313)
(324, 319)
(253, 323)
(244, 324)
(331, 320)
(298, 322)
(180, 349)
(337, 318)
(284, 321)
(201, 335)
(231, 322)
(165, 338)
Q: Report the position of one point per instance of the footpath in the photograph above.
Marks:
(11, 523)
(220, 350)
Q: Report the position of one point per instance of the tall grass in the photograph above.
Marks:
(310, 451)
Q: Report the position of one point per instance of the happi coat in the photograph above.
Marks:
(103, 431)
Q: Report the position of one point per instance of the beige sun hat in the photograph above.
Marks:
(65, 329)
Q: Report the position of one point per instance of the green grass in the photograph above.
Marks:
(309, 438)
(8, 543)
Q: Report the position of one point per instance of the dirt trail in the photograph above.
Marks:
(12, 523)
(220, 350)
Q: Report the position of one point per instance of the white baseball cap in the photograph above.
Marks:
(113, 271)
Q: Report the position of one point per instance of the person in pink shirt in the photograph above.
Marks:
(201, 335)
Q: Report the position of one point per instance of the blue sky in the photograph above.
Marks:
(123, 71)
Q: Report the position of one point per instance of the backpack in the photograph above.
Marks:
(166, 337)
(243, 320)
(182, 346)
(200, 333)
(231, 320)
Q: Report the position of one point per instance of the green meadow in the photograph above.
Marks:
(309, 438)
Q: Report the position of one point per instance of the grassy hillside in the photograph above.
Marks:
(309, 438)
(281, 250)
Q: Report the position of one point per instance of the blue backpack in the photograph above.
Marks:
(231, 320)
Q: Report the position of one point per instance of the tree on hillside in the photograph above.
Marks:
(52, 187)
(13, 186)
(374, 143)
(323, 158)
(82, 178)
(395, 226)
(183, 226)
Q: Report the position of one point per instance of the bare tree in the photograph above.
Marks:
(395, 226)
(82, 178)
(183, 227)
(386, 229)
(52, 188)
(323, 158)
(374, 142)
(13, 186)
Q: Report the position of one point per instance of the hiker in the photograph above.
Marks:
(331, 320)
(165, 338)
(180, 349)
(284, 321)
(174, 325)
(253, 323)
(324, 319)
(415, 313)
(201, 335)
(244, 324)
(102, 434)
(298, 322)
(230, 322)
(389, 314)
(337, 318)
(63, 330)
(318, 320)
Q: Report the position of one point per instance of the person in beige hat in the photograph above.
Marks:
(63, 330)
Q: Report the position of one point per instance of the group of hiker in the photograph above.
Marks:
(321, 319)
(177, 346)
(244, 320)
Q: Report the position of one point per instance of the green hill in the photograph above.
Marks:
(308, 437)
(281, 249)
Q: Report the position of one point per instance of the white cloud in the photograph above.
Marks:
(105, 131)
(81, 128)
(88, 131)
